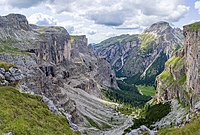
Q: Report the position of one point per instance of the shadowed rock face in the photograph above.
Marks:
(180, 80)
(141, 57)
(58, 67)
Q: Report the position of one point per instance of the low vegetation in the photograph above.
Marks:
(146, 90)
(175, 62)
(126, 109)
(128, 94)
(6, 46)
(100, 126)
(24, 114)
(92, 123)
(149, 115)
(6, 65)
(147, 42)
(44, 28)
(72, 37)
(167, 77)
(192, 128)
(117, 39)
(194, 26)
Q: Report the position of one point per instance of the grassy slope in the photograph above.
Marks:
(26, 114)
(194, 26)
(6, 47)
(117, 39)
(192, 128)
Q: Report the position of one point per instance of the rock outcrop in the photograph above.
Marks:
(141, 58)
(59, 67)
(142, 130)
(10, 77)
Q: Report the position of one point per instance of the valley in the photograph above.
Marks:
(52, 82)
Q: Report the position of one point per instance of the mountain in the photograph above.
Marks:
(140, 58)
(60, 68)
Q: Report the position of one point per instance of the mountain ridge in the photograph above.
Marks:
(133, 55)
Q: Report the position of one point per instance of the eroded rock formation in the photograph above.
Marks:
(59, 67)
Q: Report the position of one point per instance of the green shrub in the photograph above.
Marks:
(6, 65)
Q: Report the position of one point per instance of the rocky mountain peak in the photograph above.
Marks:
(158, 27)
(16, 21)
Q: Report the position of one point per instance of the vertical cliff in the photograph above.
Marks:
(180, 79)
(192, 52)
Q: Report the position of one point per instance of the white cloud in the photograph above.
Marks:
(42, 19)
(197, 6)
(120, 12)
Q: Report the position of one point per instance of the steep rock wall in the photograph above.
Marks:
(192, 53)
(180, 79)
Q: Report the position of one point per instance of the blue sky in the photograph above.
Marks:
(101, 19)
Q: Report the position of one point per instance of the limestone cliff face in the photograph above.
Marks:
(192, 52)
(141, 57)
(59, 67)
(180, 79)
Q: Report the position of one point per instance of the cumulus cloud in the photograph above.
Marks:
(197, 6)
(119, 12)
(42, 19)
